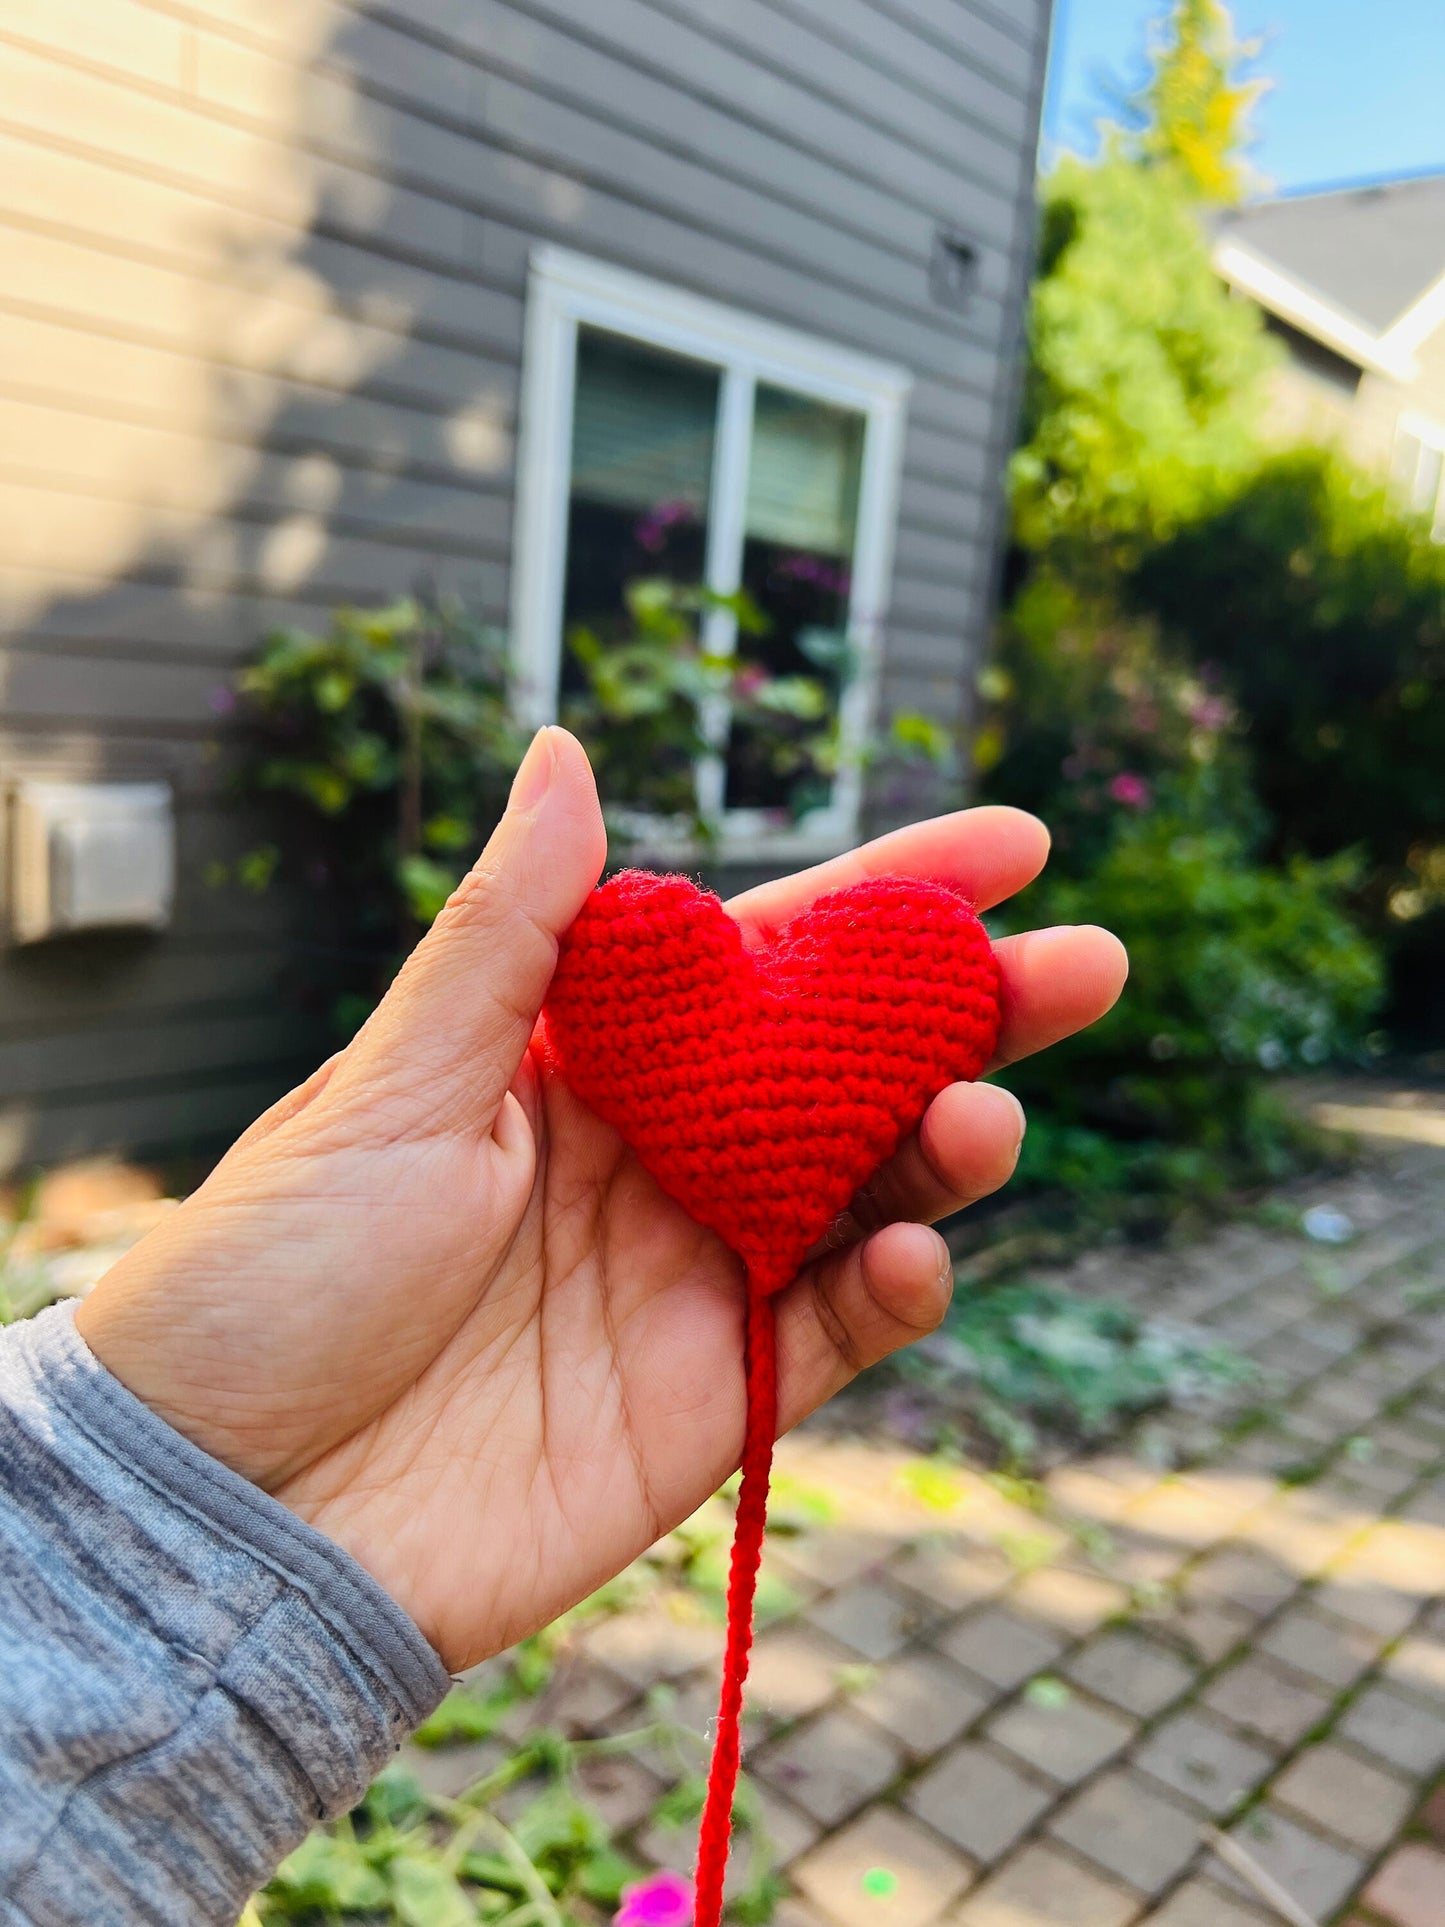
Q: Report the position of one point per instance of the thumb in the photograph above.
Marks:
(444, 1044)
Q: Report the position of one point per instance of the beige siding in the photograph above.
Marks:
(1382, 402)
(262, 275)
(1303, 407)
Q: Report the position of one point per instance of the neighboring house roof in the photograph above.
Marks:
(1361, 269)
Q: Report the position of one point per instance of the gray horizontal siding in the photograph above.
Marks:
(191, 1111)
(260, 337)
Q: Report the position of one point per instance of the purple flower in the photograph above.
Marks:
(651, 531)
(831, 577)
(222, 700)
(1131, 790)
(662, 1900)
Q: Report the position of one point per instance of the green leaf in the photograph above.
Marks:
(557, 1821)
(464, 1715)
(334, 690)
(396, 1797)
(426, 1895)
(331, 1873)
(603, 1875)
(681, 1803)
(921, 736)
(447, 833)
(1047, 1692)
(532, 1665)
(256, 868)
(426, 886)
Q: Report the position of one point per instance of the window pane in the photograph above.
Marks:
(801, 511)
(1407, 461)
(642, 437)
(643, 425)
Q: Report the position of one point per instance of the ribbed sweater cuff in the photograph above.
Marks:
(200, 1675)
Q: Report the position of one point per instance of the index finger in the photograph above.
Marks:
(986, 853)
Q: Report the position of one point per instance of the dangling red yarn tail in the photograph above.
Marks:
(762, 1423)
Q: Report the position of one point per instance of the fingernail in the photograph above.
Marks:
(945, 1263)
(534, 773)
(1018, 1122)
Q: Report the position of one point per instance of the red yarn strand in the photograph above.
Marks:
(761, 1430)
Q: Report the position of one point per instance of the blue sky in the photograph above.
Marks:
(1359, 85)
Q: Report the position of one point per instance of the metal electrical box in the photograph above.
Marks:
(90, 856)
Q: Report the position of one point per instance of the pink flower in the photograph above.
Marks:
(662, 1900)
(1210, 712)
(750, 682)
(1131, 790)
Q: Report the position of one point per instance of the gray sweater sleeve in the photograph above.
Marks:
(190, 1677)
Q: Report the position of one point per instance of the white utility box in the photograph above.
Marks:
(90, 856)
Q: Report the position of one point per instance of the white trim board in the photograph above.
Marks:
(567, 290)
(1418, 322)
(1307, 311)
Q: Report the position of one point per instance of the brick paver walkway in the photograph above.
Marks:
(977, 1710)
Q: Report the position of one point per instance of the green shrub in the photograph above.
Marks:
(1322, 607)
(1032, 1360)
(641, 694)
(390, 740)
(1239, 968)
(1087, 716)
(387, 743)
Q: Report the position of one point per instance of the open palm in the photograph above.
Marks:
(436, 1307)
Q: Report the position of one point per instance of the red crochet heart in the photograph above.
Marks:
(762, 1087)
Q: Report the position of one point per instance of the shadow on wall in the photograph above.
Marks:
(261, 330)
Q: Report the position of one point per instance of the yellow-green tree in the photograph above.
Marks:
(1144, 374)
(1193, 114)
(1144, 377)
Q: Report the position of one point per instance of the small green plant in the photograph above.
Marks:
(650, 692)
(1034, 1361)
(25, 1285)
(386, 746)
(419, 1860)
(650, 702)
(413, 1858)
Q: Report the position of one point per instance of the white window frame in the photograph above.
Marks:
(1431, 435)
(567, 290)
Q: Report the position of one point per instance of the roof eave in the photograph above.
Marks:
(1418, 322)
(1313, 316)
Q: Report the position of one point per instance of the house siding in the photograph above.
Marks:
(1364, 423)
(261, 320)
(1382, 402)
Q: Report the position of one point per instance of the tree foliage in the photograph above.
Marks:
(1193, 113)
(1144, 377)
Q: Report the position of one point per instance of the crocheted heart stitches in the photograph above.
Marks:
(762, 1087)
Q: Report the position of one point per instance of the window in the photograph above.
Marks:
(665, 435)
(1419, 468)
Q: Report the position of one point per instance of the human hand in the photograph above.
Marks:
(437, 1308)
